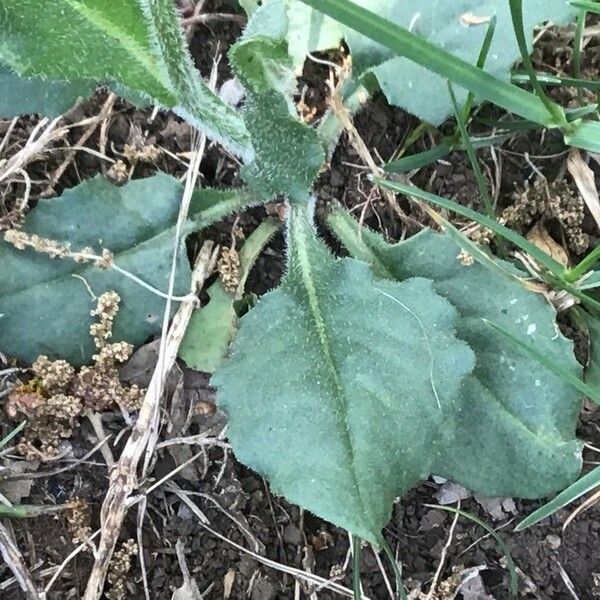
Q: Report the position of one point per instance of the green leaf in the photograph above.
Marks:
(423, 59)
(310, 31)
(210, 331)
(581, 487)
(511, 433)
(46, 303)
(136, 43)
(212, 327)
(287, 152)
(338, 384)
(28, 95)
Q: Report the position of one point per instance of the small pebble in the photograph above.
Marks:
(553, 541)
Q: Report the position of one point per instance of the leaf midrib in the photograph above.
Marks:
(304, 263)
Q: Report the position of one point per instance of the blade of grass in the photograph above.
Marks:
(400, 591)
(541, 257)
(12, 434)
(576, 490)
(516, 13)
(555, 269)
(483, 53)
(577, 46)
(557, 369)
(481, 183)
(510, 563)
(415, 48)
(419, 160)
(586, 135)
(593, 7)
(587, 263)
(356, 552)
(548, 79)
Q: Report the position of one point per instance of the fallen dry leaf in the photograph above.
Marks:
(469, 19)
(541, 238)
(585, 181)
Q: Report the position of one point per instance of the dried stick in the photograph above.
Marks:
(12, 557)
(123, 477)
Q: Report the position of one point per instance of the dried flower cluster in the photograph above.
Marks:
(78, 520)
(22, 240)
(120, 565)
(54, 400)
(539, 202)
(229, 269)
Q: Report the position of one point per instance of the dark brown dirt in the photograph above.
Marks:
(236, 502)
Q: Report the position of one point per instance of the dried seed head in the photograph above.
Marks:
(229, 269)
(54, 375)
(120, 565)
(106, 309)
(118, 172)
(50, 421)
(78, 520)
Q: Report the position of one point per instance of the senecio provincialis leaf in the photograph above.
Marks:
(370, 379)
(137, 44)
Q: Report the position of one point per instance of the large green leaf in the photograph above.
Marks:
(26, 95)
(287, 152)
(458, 27)
(339, 383)
(137, 43)
(512, 431)
(45, 302)
(592, 373)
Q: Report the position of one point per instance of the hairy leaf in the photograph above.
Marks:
(45, 302)
(212, 327)
(287, 152)
(458, 27)
(338, 384)
(512, 431)
(136, 43)
(28, 95)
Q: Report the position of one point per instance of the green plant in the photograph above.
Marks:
(376, 370)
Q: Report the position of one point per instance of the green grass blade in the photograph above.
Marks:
(565, 375)
(483, 53)
(356, 553)
(556, 270)
(582, 486)
(510, 563)
(516, 13)
(586, 135)
(415, 48)
(548, 79)
(400, 591)
(419, 160)
(12, 434)
(481, 183)
(593, 7)
(541, 257)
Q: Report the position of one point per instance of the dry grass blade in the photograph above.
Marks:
(12, 557)
(586, 182)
